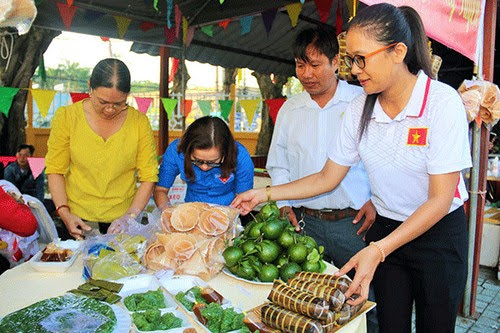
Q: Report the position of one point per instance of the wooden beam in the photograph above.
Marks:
(163, 124)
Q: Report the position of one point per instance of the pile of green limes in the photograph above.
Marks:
(269, 248)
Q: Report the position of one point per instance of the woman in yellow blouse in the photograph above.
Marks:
(98, 150)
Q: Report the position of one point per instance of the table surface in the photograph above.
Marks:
(22, 286)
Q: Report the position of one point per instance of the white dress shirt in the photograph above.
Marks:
(302, 136)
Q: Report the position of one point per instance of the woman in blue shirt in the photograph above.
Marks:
(214, 166)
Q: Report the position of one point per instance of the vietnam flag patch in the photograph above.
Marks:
(417, 136)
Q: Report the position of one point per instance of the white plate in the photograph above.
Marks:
(56, 267)
(143, 283)
(179, 283)
(228, 273)
(123, 320)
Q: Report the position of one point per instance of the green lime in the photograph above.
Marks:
(310, 266)
(269, 210)
(248, 245)
(309, 242)
(272, 229)
(232, 255)
(297, 253)
(255, 262)
(249, 226)
(255, 230)
(233, 269)
(246, 272)
(282, 260)
(268, 273)
(288, 271)
(286, 239)
(268, 251)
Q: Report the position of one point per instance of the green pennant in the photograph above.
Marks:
(205, 106)
(221, 1)
(169, 105)
(6, 97)
(208, 30)
(225, 106)
(155, 5)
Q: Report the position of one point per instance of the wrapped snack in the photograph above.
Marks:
(289, 321)
(347, 312)
(342, 283)
(334, 296)
(298, 301)
(254, 323)
(486, 115)
(472, 101)
(211, 296)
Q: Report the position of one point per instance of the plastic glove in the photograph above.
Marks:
(121, 224)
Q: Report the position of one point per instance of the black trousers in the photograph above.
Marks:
(431, 271)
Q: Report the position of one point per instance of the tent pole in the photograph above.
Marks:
(163, 123)
(183, 87)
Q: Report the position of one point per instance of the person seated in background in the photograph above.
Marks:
(19, 173)
(214, 165)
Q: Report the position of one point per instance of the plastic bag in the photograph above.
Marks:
(73, 320)
(18, 249)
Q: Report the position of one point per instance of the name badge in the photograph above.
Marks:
(417, 136)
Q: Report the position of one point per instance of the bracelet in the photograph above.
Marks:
(380, 249)
(268, 192)
(62, 206)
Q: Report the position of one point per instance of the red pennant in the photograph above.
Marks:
(323, 7)
(7, 159)
(188, 103)
(457, 192)
(338, 21)
(224, 23)
(145, 26)
(104, 39)
(274, 106)
(70, 2)
(173, 70)
(67, 13)
(417, 136)
(169, 35)
(76, 97)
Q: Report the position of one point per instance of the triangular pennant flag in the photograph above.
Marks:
(208, 30)
(92, 15)
(173, 70)
(188, 104)
(190, 35)
(338, 20)
(37, 164)
(155, 5)
(146, 26)
(225, 107)
(104, 39)
(6, 97)
(294, 10)
(268, 17)
(246, 24)
(43, 99)
(169, 35)
(221, 1)
(274, 106)
(184, 29)
(323, 7)
(76, 97)
(143, 103)
(169, 105)
(178, 18)
(170, 5)
(240, 74)
(302, 1)
(224, 23)
(66, 13)
(250, 106)
(122, 24)
(70, 2)
(205, 106)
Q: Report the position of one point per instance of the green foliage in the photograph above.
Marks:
(153, 320)
(221, 320)
(150, 300)
(190, 297)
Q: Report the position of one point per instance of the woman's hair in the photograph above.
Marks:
(388, 24)
(205, 133)
(111, 73)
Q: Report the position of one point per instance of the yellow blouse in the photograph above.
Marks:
(101, 176)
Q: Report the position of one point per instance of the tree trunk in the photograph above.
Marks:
(229, 79)
(177, 84)
(268, 90)
(25, 56)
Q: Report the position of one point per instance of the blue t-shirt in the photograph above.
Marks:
(208, 185)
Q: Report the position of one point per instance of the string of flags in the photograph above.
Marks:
(43, 99)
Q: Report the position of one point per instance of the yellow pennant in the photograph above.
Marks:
(122, 24)
(294, 10)
(43, 99)
(250, 106)
(184, 29)
(240, 74)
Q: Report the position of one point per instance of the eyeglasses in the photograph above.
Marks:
(212, 164)
(115, 106)
(359, 60)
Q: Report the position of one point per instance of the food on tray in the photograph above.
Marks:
(62, 314)
(150, 300)
(289, 321)
(342, 283)
(214, 220)
(211, 296)
(334, 296)
(54, 253)
(100, 290)
(269, 249)
(153, 320)
(299, 301)
(254, 323)
(221, 320)
(190, 297)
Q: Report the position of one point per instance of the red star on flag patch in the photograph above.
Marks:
(417, 136)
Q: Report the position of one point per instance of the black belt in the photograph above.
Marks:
(330, 214)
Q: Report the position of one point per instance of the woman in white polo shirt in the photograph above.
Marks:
(411, 134)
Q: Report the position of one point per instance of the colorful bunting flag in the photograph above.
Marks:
(208, 30)
(169, 105)
(294, 10)
(224, 23)
(188, 104)
(91, 15)
(104, 39)
(43, 99)
(143, 103)
(178, 18)
(268, 17)
(70, 3)
(184, 29)
(146, 26)
(323, 7)
(250, 106)
(6, 97)
(205, 106)
(67, 13)
(5, 160)
(170, 5)
(274, 106)
(246, 24)
(173, 69)
(221, 1)
(225, 107)
(169, 35)
(190, 35)
(302, 1)
(37, 164)
(122, 24)
(76, 97)
(240, 74)
(155, 5)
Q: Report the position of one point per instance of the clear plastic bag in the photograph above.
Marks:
(73, 320)
(18, 249)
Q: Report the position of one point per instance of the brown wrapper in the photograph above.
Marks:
(288, 321)
(342, 283)
(298, 301)
(333, 296)
(254, 323)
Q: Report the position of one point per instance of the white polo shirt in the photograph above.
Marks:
(301, 139)
(399, 154)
